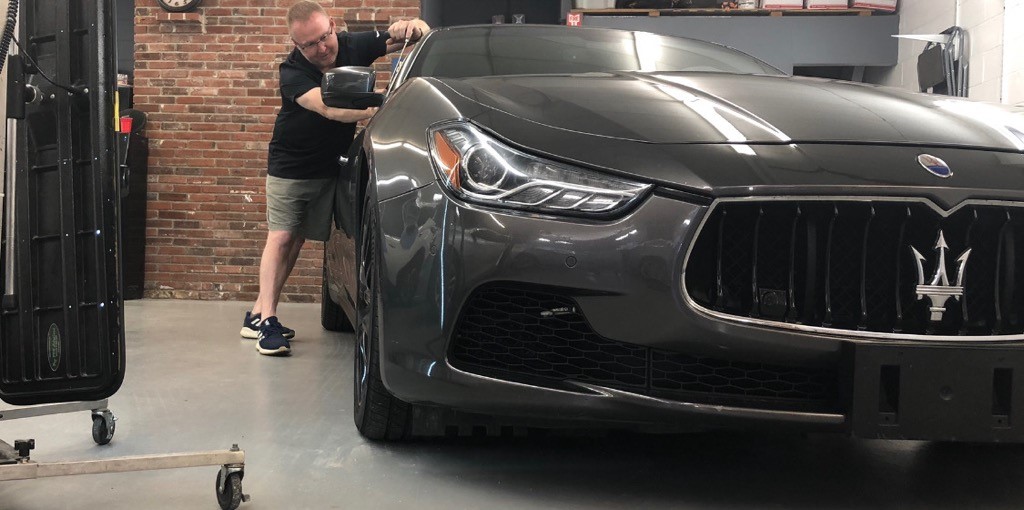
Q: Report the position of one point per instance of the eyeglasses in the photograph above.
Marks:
(320, 40)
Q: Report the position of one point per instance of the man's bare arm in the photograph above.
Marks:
(314, 102)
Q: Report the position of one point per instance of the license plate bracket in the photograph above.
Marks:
(952, 393)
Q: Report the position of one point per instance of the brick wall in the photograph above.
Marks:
(208, 82)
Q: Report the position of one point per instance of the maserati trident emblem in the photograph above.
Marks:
(938, 290)
(936, 166)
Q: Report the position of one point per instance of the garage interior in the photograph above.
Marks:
(201, 90)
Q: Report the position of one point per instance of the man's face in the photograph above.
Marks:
(315, 39)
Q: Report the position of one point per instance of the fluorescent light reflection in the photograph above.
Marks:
(715, 112)
(649, 50)
(709, 112)
(1008, 124)
(394, 145)
(627, 234)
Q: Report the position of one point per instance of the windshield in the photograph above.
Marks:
(512, 50)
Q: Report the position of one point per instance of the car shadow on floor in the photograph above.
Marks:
(727, 469)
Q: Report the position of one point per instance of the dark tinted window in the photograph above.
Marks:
(508, 50)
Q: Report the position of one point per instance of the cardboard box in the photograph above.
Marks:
(827, 4)
(878, 5)
(781, 4)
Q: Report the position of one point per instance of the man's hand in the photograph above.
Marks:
(313, 101)
(369, 112)
(411, 30)
(346, 115)
(359, 115)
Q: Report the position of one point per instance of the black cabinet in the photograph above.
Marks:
(133, 153)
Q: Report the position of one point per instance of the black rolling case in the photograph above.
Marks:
(61, 320)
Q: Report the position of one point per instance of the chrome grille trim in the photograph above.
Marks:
(847, 334)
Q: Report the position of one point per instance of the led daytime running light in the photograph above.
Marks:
(481, 169)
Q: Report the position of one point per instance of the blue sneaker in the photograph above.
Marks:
(251, 327)
(272, 341)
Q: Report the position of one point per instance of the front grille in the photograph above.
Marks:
(848, 265)
(539, 336)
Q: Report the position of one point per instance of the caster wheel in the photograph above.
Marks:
(102, 429)
(229, 492)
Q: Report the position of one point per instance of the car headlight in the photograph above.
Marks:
(478, 168)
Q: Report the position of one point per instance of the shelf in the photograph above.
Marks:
(729, 12)
(846, 38)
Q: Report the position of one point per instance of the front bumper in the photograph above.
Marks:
(623, 275)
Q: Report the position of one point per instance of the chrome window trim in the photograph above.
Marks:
(853, 335)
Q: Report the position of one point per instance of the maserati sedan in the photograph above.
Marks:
(554, 227)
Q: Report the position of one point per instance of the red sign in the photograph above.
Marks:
(574, 19)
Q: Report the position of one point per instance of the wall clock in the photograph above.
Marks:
(178, 5)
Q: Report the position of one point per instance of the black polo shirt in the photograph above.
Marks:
(306, 145)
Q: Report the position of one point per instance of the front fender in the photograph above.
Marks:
(395, 143)
(349, 189)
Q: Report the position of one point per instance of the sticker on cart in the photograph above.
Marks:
(53, 347)
(574, 19)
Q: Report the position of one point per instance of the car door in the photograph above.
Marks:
(61, 319)
(341, 247)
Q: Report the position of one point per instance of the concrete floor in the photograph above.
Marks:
(193, 385)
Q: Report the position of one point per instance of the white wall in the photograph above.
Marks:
(983, 20)
(1013, 53)
(986, 23)
(916, 17)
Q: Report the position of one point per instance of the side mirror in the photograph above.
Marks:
(350, 87)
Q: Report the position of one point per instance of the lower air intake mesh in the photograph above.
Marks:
(538, 335)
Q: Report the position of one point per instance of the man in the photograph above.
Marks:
(302, 164)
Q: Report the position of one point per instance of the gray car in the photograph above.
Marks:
(552, 227)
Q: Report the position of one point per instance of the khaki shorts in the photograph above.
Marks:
(301, 206)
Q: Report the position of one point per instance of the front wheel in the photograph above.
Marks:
(378, 414)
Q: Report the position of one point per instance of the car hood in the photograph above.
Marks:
(703, 108)
(708, 165)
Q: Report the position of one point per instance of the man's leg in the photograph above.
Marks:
(274, 269)
(275, 266)
(293, 208)
(293, 256)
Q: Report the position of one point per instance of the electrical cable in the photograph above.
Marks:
(5, 41)
(73, 90)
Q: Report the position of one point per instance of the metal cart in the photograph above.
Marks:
(15, 463)
(62, 346)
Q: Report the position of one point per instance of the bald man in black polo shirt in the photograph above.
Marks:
(302, 162)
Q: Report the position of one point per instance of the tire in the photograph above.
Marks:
(232, 495)
(332, 317)
(378, 414)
